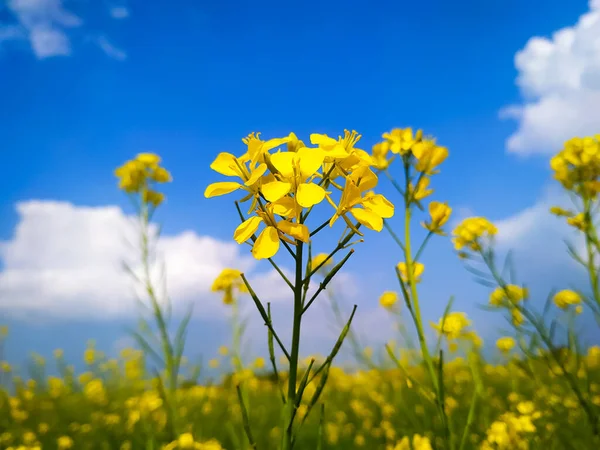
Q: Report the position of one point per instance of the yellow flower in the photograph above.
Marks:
(388, 299)
(566, 298)
(294, 170)
(89, 356)
(559, 212)
(319, 259)
(418, 269)
(421, 191)
(213, 363)
(470, 232)
(428, 156)
(3, 331)
(401, 141)
(508, 296)
(453, 325)
(505, 344)
(375, 207)
(228, 281)
(223, 350)
(259, 363)
(134, 176)
(440, 214)
(267, 243)
(64, 442)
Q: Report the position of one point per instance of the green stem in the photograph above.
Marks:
(290, 409)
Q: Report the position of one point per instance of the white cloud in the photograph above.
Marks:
(48, 26)
(537, 240)
(119, 12)
(559, 78)
(66, 261)
(44, 23)
(111, 50)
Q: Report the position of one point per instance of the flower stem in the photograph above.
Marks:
(290, 407)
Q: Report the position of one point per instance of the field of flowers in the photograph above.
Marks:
(543, 394)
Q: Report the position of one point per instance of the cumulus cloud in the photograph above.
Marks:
(66, 261)
(559, 78)
(48, 25)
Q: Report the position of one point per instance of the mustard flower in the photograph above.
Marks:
(470, 232)
(440, 214)
(454, 325)
(508, 296)
(505, 344)
(566, 298)
(418, 269)
(388, 299)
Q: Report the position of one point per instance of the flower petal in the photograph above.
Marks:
(275, 190)
(368, 218)
(246, 229)
(309, 194)
(226, 164)
(310, 160)
(267, 244)
(284, 163)
(221, 188)
(256, 174)
(296, 230)
(379, 205)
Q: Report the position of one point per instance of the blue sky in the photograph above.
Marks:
(191, 80)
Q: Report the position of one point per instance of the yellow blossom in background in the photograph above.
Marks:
(566, 298)
(319, 259)
(418, 270)
(3, 331)
(401, 140)
(453, 326)
(440, 214)
(508, 296)
(422, 189)
(471, 231)
(429, 156)
(505, 344)
(228, 281)
(388, 299)
(140, 174)
(213, 363)
(418, 443)
(64, 443)
(259, 363)
(223, 350)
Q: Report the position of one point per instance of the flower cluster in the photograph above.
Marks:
(511, 430)
(577, 166)
(454, 326)
(470, 232)
(228, 281)
(284, 185)
(417, 442)
(186, 442)
(138, 175)
(566, 298)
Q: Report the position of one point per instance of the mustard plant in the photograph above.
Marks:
(283, 187)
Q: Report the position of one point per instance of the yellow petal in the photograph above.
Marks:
(379, 205)
(246, 229)
(274, 143)
(256, 174)
(310, 160)
(368, 218)
(309, 194)
(285, 207)
(267, 244)
(226, 164)
(221, 188)
(296, 230)
(322, 139)
(284, 163)
(275, 190)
